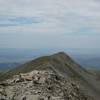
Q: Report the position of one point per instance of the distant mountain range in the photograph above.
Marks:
(88, 61)
(8, 66)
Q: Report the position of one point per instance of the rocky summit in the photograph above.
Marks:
(40, 85)
(54, 77)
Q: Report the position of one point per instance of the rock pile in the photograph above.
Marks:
(40, 85)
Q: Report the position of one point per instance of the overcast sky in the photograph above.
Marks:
(50, 24)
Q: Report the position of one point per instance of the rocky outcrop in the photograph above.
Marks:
(41, 85)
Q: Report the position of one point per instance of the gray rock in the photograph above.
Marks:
(41, 85)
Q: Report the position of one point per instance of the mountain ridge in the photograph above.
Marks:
(62, 64)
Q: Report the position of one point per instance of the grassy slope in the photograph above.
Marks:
(27, 67)
(95, 73)
(1, 74)
(42, 63)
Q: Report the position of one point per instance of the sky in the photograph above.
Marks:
(56, 24)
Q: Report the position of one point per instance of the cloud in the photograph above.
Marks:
(50, 23)
(17, 21)
(65, 14)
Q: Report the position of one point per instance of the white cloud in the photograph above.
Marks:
(65, 13)
(61, 19)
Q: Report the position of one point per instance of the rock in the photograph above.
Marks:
(4, 84)
(41, 85)
(3, 92)
(30, 97)
(23, 98)
(3, 99)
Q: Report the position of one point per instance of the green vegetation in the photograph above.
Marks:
(27, 67)
(1, 74)
(96, 73)
(61, 62)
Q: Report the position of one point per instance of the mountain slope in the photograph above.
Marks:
(54, 60)
(64, 65)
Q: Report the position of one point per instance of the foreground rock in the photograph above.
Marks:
(41, 85)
